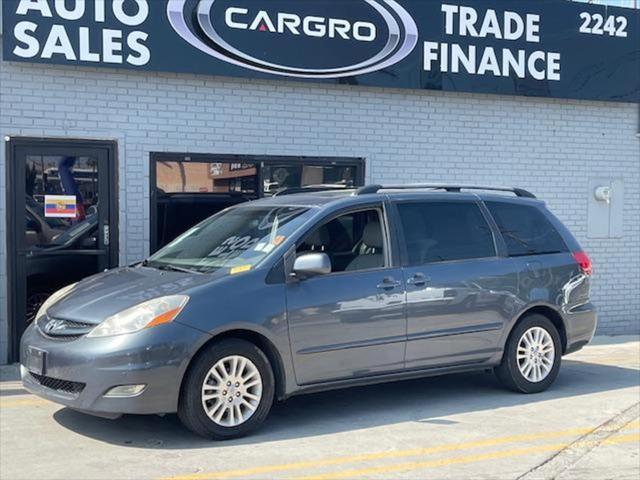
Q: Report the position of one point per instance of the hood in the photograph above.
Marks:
(102, 295)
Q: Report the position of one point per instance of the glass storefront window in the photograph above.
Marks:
(278, 177)
(189, 189)
(206, 177)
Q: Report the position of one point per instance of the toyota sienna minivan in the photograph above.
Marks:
(313, 291)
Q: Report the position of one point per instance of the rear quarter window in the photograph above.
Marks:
(526, 230)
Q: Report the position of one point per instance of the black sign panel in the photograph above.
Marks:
(547, 48)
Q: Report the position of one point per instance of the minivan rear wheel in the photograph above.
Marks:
(228, 391)
(532, 356)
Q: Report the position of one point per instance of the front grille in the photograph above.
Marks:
(74, 324)
(59, 385)
(63, 329)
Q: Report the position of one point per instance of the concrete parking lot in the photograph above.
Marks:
(461, 426)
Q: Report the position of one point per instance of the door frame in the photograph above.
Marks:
(260, 161)
(14, 219)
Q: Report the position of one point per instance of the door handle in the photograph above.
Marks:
(105, 235)
(389, 283)
(419, 280)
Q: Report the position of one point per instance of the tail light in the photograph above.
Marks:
(584, 262)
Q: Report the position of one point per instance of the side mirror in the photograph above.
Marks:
(312, 264)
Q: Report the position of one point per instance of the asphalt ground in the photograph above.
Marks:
(586, 426)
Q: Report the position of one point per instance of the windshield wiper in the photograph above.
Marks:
(170, 267)
(175, 268)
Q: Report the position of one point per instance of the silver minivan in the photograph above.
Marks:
(313, 291)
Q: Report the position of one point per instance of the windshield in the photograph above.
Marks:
(239, 238)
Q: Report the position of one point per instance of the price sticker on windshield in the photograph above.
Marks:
(240, 269)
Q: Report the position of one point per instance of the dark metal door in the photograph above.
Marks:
(61, 221)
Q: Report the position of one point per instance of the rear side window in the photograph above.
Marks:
(526, 230)
(445, 231)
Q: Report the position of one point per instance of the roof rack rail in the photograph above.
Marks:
(369, 189)
(310, 189)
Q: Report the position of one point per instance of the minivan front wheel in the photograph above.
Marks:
(532, 356)
(228, 391)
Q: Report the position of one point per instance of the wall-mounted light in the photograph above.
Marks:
(603, 194)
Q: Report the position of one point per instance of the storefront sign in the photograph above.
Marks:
(548, 48)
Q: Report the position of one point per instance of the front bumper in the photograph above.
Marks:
(77, 373)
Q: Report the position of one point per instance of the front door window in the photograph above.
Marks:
(353, 241)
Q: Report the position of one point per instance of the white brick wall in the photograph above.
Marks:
(552, 147)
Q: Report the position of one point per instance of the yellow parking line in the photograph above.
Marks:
(382, 455)
(617, 439)
(21, 402)
(385, 469)
(632, 425)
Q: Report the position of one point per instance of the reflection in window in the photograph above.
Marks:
(525, 229)
(206, 177)
(279, 177)
(239, 237)
(445, 231)
(60, 175)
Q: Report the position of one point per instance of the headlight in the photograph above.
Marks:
(148, 314)
(56, 297)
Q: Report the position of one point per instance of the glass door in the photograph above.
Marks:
(61, 214)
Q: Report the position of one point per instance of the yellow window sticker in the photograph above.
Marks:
(278, 240)
(240, 269)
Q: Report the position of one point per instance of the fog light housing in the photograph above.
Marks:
(125, 391)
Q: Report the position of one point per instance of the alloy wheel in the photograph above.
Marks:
(232, 391)
(536, 354)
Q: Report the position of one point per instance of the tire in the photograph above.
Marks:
(510, 370)
(194, 397)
